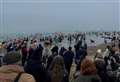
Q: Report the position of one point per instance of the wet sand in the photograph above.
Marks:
(92, 50)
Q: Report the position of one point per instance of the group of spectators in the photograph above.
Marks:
(30, 61)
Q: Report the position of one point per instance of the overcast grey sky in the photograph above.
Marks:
(58, 15)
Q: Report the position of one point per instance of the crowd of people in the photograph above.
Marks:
(28, 60)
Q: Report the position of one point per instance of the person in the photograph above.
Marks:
(80, 55)
(70, 39)
(12, 67)
(80, 52)
(105, 41)
(35, 67)
(62, 51)
(10, 47)
(78, 45)
(46, 52)
(31, 51)
(68, 59)
(98, 55)
(57, 70)
(88, 72)
(24, 52)
(119, 44)
(55, 49)
(50, 59)
(101, 67)
(114, 59)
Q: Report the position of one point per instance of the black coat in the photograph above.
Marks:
(36, 69)
(102, 71)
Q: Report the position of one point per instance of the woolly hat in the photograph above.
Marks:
(11, 58)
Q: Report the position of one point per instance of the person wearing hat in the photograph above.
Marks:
(99, 55)
(11, 71)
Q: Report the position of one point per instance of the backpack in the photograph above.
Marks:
(18, 77)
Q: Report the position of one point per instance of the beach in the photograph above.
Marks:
(92, 48)
(91, 54)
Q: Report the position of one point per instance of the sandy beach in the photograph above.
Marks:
(91, 54)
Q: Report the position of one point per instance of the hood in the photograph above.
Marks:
(11, 68)
(9, 72)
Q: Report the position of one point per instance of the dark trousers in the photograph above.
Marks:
(68, 67)
(24, 58)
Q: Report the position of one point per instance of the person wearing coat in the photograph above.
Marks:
(12, 68)
(88, 72)
(24, 52)
(55, 49)
(35, 67)
(46, 53)
(102, 68)
(68, 59)
(57, 71)
(62, 51)
(50, 59)
(80, 55)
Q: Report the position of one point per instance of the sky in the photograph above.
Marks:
(32, 16)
